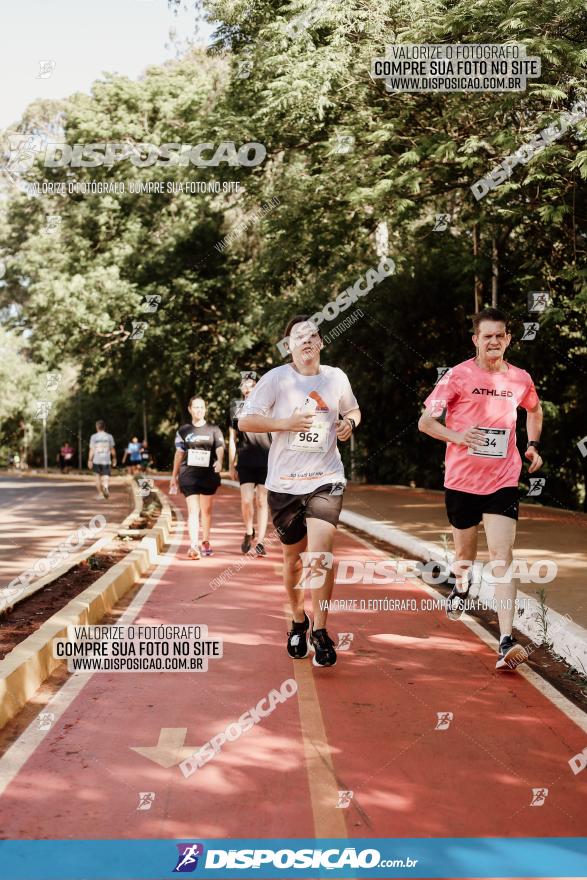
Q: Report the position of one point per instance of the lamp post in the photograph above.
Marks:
(79, 429)
(45, 459)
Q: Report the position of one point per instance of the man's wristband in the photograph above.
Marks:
(535, 444)
(352, 421)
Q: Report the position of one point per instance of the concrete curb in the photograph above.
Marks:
(77, 477)
(110, 532)
(27, 666)
(569, 640)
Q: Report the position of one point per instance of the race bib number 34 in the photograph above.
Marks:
(198, 457)
(315, 439)
(494, 445)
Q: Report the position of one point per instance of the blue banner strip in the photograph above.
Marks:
(448, 858)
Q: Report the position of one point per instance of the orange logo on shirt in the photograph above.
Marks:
(321, 405)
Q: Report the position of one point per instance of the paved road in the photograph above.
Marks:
(370, 725)
(542, 533)
(37, 513)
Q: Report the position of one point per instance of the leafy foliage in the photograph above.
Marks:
(343, 157)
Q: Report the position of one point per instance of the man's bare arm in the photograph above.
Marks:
(257, 424)
(534, 419)
(429, 424)
(534, 428)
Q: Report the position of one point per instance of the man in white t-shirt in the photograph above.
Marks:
(306, 407)
(102, 456)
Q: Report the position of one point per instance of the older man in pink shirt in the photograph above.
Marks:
(481, 397)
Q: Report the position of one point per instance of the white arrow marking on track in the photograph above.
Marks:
(170, 749)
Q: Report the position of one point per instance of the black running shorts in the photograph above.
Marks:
(256, 475)
(103, 470)
(198, 485)
(289, 512)
(465, 509)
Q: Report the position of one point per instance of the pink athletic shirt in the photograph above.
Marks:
(476, 397)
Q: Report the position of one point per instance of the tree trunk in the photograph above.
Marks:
(478, 285)
(494, 272)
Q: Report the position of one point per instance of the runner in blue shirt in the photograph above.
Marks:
(133, 454)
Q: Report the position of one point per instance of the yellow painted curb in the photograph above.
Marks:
(27, 666)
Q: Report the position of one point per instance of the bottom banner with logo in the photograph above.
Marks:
(448, 858)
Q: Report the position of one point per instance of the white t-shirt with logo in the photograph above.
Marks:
(301, 461)
(101, 443)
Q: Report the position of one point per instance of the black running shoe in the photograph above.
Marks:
(297, 639)
(323, 647)
(511, 654)
(260, 549)
(455, 604)
(247, 541)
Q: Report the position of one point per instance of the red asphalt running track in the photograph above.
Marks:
(366, 726)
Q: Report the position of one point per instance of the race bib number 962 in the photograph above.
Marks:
(315, 439)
